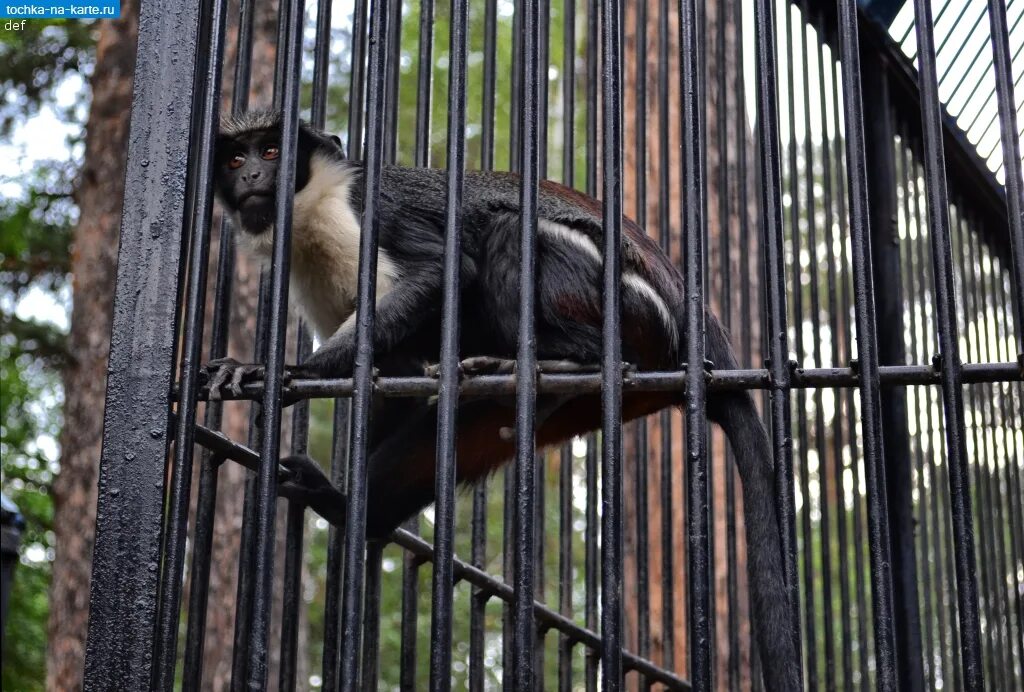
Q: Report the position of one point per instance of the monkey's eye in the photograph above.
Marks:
(236, 161)
(270, 152)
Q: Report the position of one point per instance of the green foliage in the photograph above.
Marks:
(36, 60)
(37, 214)
(29, 424)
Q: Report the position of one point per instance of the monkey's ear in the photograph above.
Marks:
(337, 141)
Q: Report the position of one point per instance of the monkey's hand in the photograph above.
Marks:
(304, 481)
(228, 375)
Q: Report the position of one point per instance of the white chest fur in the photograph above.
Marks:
(325, 250)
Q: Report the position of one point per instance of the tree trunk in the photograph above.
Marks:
(93, 263)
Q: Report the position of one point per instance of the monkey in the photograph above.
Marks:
(326, 230)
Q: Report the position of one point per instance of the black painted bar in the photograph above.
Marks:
(825, 65)
(206, 502)
(796, 213)
(611, 356)
(355, 521)
(879, 134)
(867, 350)
(524, 511)
(776, 330)
(123, 589)
(200, 199)
(665, 418)
(952, 390)
(448, 385)
(698, 487)
(849, 329)
(266, 484)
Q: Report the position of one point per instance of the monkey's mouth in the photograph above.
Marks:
(255, 197)
(256, 211)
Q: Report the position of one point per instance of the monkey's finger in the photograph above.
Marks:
(235, 385)
(487, 365)
(217, 381)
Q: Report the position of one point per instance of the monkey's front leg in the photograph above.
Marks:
(399, 313)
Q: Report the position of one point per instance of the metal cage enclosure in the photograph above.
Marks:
(804, 164)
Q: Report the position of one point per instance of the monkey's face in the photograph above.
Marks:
(246, 178)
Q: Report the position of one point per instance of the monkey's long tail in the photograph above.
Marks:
(736, 414)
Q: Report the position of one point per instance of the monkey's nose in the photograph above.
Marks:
(251, 177)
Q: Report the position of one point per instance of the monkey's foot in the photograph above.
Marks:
(477, 365)
(227, 374)
(304, 481)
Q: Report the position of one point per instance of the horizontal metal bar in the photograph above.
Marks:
(653, 381)
(545, 617)
(489, 585)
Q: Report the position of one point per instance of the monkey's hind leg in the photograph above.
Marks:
(304, 481)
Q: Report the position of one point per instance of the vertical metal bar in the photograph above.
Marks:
(1011, 473)
(591, 96)
(885, 255)
(912, 297)
(291, 601)
(394, 60)
(827, 601)
(209, 466)
(266, 485)
(300, 414)
(569, 92)
(540, 460)
(698, 510)
(331, 661)
(590, 558)
(923, 275)
(544, 61)
(665, 418)
(370, 667)
(448, 392)
(952, 390)
(971, 315)
(565, 579)
(775, 295)
(725, 298)
(747, 307)
(478, 598)
(996, 423)
(839, 498)
(523, 567)
(357, 91)
(591, 585)
(247, 540)
(611, 355)
(867, 353)
(478, 602)
(421, 157)
(123, 590)
(806, 525)
(490, 59)
(200, 197)
(355, 520)
(858, 531)
(565, 474)
(1011, 157)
